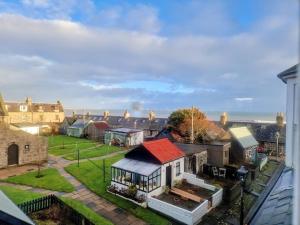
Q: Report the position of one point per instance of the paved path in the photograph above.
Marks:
(101, 206)
(96, 203)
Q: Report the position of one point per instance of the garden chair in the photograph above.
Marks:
(215, 171)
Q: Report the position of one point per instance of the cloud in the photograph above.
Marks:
(244, 99)
(112, 63)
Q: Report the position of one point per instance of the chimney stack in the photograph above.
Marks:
(106, 114)
(29, 101)
(126, 114)
(224, 118)
(280, 119)
(151, 115)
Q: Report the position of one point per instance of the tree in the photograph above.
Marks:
(186, 120)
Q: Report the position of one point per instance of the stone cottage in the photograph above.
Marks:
(18, 147)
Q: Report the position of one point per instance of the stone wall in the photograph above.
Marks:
(32, 148)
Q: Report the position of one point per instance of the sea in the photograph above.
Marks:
(260, 117)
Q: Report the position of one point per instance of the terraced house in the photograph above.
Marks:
(29, 112)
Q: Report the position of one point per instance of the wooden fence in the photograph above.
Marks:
(47, 201)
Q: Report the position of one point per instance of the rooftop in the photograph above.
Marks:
(289, 73)
(243, 136)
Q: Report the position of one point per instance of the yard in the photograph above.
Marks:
(51, 180)
(92, 177)
(68, 148)
(20, 196)
(229, 214)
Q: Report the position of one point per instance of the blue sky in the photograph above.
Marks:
(217, 55)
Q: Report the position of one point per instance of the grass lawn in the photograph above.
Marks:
(91, 153)
(19, 196)
(92, 177)
(58, 140)
(71, 149)
(87, 212)
(51, 180)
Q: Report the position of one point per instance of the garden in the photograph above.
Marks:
(92, 176)
(70, 147)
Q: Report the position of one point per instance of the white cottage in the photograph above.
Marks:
(151, 166)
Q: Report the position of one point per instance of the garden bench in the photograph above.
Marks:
(186, 195)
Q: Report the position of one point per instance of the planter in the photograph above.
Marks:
(143, 204)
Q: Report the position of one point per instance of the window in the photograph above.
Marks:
(56, 117)
(141, 182)
(27, 148)
(23, 108)
(177, 168)
(41, 117)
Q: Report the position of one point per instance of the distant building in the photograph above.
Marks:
(124, 137)
(78, 127)
(96, 130)
(18, 147)
(29, 112)
(67, 122)
(243, 146)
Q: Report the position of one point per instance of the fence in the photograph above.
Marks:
(47, 201)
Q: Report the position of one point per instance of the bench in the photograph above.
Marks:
(186, 195)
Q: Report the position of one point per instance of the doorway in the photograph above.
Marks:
(13, 155)
(169, 176)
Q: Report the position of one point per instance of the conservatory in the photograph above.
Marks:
(145, 176)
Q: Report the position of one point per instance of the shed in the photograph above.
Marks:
(96, 130)
(77, 128)
(124, 136)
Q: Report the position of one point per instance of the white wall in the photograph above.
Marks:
(217, 198)
(192, 179)
(136, 138)
(180, 214)
(292, 114)
(174, 177)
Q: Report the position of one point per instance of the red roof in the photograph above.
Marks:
(101, 125)
(163, 150)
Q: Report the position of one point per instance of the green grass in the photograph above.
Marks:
(58, 140)
(51, 180)
(92, 177)
(87, 212)
(19, 196)
(91, 153)
(71, 149)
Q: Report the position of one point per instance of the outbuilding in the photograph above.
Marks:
(124, 137)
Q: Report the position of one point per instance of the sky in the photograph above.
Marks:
(113, 54)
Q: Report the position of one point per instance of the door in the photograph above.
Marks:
(169, 176)
(13, 155)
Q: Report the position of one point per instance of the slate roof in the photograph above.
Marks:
(163, 150)
(277, 208)
(190, 149)
(141, 123)
(261, 131)
(125, 130)
(80, 123)
(243, 136)
(289, 73)
(11, 213)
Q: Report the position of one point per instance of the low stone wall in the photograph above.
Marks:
(179, 214)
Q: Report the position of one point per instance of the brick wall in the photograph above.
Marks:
(38, 146)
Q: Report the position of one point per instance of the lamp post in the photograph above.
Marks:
(242, 173)
(277, 135)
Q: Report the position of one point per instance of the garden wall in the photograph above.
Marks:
(192, 179)
(179, 214)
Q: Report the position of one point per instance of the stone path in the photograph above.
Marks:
(90, 199)
(100, 205)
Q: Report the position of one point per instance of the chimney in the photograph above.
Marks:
(73, 114)
(126, 114)
(29, 101)
(86, 116)
(280, 119)
(58, 102)
(106, 114)
(151, 115)
(224, 118)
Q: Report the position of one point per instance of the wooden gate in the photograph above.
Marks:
(13, 155)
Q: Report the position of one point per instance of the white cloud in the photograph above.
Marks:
(244, 99)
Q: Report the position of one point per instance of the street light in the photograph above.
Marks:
(242, 174)
(277, 135)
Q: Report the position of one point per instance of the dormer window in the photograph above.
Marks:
(23, 108)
